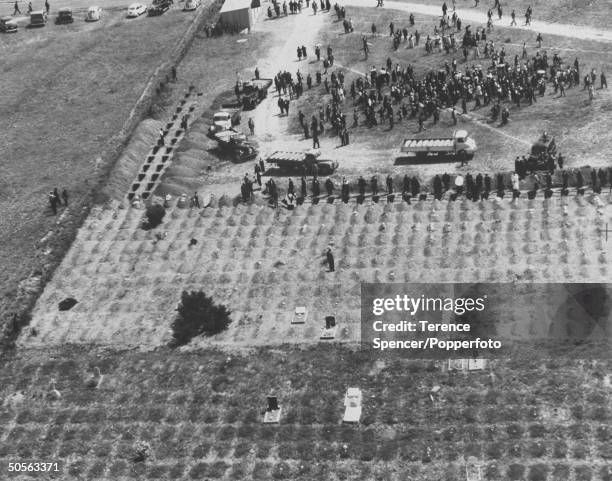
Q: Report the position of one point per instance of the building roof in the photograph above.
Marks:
(232, 5)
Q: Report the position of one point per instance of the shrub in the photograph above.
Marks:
(154, 214)
(198, 314)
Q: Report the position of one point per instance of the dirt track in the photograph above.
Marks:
(474, 16)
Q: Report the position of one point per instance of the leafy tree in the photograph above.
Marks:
(198, 314)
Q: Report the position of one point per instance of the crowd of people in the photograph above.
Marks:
(473, 186)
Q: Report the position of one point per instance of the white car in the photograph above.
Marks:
(93, 14)
(191, 4)
(136, 9)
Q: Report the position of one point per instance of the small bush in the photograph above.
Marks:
(155, 214)
(198, 314)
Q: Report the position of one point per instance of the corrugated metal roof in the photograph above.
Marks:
(232, 5)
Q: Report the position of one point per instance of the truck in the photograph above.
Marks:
(307, 163)
(64, 15)
(543, 155)
(38, 18)
(224, 120)
(236, 144)
(460, 146)
(253, 92)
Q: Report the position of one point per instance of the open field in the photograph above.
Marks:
(523, 419)
(67, 92)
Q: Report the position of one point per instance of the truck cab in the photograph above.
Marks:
(38, 18)
(64, 15)
(224, 120)
(463, 142)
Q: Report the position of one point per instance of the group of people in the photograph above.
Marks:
(17, 11)
(56, 200)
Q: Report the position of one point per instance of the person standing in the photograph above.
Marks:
(65, 197)
(330, 260)
(251, 125)
(53, 202)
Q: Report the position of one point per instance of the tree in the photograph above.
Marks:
(155, 213)
(198, 314)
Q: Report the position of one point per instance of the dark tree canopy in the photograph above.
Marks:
(198, 314)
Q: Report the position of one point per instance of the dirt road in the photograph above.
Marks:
(469, 15)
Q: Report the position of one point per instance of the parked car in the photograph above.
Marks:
(64, 15)
(191, 4)
(136, 10)
(158, 7)
(8, 25)
(38, 18)
(93, 14)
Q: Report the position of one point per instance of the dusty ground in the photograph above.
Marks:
(374, 150)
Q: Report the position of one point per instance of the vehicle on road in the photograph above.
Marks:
(224, 120)
(236, 144)
(64, 15)
(94, 14)
(253, 92)
(460, 146)
(8, 25)
(158, 7)
(38, 18)
(305, 163)
(136, 10)
(543, 155)
(191, 5)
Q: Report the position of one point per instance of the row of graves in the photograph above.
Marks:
(353, 403)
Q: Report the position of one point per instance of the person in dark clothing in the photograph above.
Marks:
(16, 10)
(389, 184)
(330, 260)
(303, 187)
(53, 203)
(65, 197)
(374, 185)
(329, 186)
(361, 183)
(291, 188)
(174, 78)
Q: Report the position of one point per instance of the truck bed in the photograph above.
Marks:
(424, 145)
(286, 156)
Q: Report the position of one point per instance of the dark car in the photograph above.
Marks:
(64, 15)
(8, 25)
(158, 7)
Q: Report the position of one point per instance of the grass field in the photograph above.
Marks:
(534, 419)
(68, 91)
